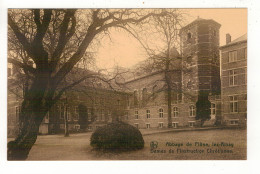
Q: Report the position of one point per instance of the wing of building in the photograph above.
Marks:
(234, 81)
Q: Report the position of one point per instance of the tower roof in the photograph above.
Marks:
(200, 20)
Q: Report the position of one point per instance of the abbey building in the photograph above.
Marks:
(200, 66)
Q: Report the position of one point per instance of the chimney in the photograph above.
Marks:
(228, 38)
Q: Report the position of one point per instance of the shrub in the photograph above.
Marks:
(117, 136)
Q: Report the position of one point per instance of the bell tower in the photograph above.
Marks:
(200, 58)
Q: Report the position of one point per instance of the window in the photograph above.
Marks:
(188, 35)
(214, 33)
(233, 122)
(77, 127)
(192, 111)
(136, 115)
(147, 125)
(90, 128)
(160, 125)
(174, 124)
(176, 97)
(76, 110)
(191, 123)
(232, 56)
(160, 113)
(233, 78)
(213, 109)
(233, 104)
(136, 125)
(148, 115)
(175, 112)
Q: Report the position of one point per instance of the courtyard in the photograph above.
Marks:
(219, 144)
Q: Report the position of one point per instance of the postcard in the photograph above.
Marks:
(127, 84)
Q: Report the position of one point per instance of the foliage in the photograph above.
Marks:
(117, 136)
(203, 108)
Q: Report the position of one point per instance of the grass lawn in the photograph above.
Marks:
(76, 147)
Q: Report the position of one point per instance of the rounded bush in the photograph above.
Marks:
(117, 136)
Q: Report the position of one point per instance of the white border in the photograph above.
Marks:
(248, 166)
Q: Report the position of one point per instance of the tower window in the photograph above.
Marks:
(188, 36)
(214, 33)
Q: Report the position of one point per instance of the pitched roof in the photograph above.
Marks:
(242, 38)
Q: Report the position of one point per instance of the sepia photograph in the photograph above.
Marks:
(126, 84)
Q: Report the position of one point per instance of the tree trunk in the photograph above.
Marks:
(33, 110)
(66, 126)
(169, 98)
(29, 127)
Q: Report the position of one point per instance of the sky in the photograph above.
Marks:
(123, 50)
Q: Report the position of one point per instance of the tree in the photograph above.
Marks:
(55, 41)
(203, 107)
(163, 56)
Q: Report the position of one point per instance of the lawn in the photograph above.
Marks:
(231, 145)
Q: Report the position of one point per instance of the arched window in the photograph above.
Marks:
(192, 111)
(175, 111)
(160, 113)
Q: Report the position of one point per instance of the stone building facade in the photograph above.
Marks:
(234, 81)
